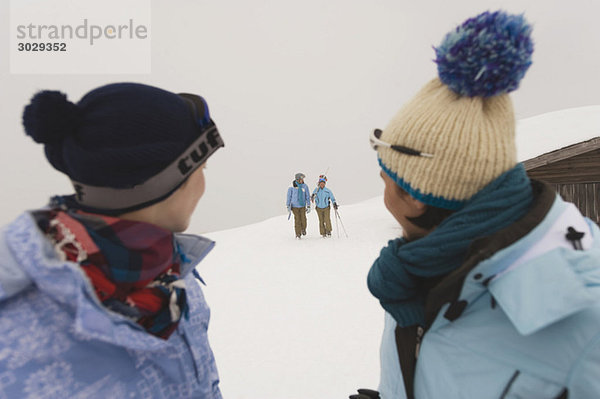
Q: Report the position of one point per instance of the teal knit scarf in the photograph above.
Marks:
(301, 194)
(393, 278)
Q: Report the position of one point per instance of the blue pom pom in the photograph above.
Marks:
(486, 55)
(50, 117)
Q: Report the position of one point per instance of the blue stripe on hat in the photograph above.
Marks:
(429, 199)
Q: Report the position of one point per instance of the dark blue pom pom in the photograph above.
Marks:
(50, 117)
(486, 56)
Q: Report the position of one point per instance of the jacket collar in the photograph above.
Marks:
(448, 289)
(65, 282)
(193, 248)
(544, 278)
(531, 270)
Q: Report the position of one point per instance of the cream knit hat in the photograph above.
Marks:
(465, 117)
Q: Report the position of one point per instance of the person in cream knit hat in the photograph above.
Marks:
(469, 141)
(491, 292)
(462, 120)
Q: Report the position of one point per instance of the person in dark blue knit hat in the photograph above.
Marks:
(492, 290)
(98, 290)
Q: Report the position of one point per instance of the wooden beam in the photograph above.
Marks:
(563, 153)
(583, 168)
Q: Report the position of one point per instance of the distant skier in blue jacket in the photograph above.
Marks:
(298, 202)
(322, 196)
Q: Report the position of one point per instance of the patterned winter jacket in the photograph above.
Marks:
(57, 341)
(519, 319)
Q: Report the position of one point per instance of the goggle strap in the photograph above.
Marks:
(169, 178)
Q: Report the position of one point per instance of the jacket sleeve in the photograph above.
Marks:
(331, 196)
(12, 278)
(307, 195)
(288, 202)
(584, 381)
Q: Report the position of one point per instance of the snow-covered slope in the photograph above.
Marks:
(294, 318)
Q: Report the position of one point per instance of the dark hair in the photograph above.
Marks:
(432, 216)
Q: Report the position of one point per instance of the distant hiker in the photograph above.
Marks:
(493, 289)
(298, 202)
(99, 294)
(322, 196)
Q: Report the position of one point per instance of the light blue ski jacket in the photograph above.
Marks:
(58, 341)
(530, 328)
(322, 197)
(292, 196)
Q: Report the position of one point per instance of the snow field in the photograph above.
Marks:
(294, 318)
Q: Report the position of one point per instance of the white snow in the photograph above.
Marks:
(551, 131)
(294, 318)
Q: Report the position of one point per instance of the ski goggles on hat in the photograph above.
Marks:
(169, 179)
(376, 142)
(199, 109)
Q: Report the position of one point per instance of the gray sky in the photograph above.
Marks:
(297, 87)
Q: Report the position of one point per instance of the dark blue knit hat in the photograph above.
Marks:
(123, 145)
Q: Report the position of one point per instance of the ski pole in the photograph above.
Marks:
(337, 228)
(342, 223)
